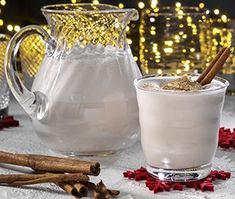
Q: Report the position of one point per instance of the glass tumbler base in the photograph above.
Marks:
(180, 175)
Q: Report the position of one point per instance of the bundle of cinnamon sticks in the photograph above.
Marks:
(69, 174)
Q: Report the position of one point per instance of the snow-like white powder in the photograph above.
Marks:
(91, 100)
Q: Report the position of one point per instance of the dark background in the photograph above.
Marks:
(24, 12)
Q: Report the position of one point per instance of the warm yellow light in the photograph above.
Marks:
(181, 25)
(181, 33)
(73, 1)
(152, 32)
(184, 51)
(178, 71)
(184, 36)
(168, 50)
(157, 60)
(177, 4)
(135, 58)
(216, 11)
(159, 71)
(17, 28)
(10, 28)
(224, 18)
(155, 9)
(186, 67)
(154, 3)
(189, 19)
(127, 28)
(3, 2)
(141, 5)
(177, 39)
(201, 5)
(187, 61)
(216, 31)
(155, 49)
(180, 12)
(121, 5)
(95, 2)
(194, 26)
(1, 22)
(192, 50)
(157, 54)
(169, 43)
(129, 41)
(142, 39)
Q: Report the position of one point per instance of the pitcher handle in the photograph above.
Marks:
(34, 103)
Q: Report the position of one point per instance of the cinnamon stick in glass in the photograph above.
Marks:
(214, 67)
(51, 164)
(212, 63)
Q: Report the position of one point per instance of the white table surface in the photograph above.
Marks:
(23, 140)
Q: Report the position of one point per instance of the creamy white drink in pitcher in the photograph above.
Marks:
(179, 129)
(91, 105)
(82, 101)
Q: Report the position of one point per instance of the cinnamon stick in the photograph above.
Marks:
(77, 191)
(217, 63)
(29, 179)
(74, 188)
(80, 188)
(209, 67)
(68, 188)
(51, 164)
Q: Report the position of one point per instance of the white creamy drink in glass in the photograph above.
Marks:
(179, 129)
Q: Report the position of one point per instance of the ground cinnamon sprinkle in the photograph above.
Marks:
(156, 185)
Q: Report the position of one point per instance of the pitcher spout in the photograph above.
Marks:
(132, 14)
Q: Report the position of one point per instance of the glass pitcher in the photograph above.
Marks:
(82, 100)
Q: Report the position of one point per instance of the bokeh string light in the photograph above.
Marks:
(11, 28)
(220, 35)
(170, 39)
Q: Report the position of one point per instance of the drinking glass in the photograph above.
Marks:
(174, 39)
(179, 129)
(4, 91)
